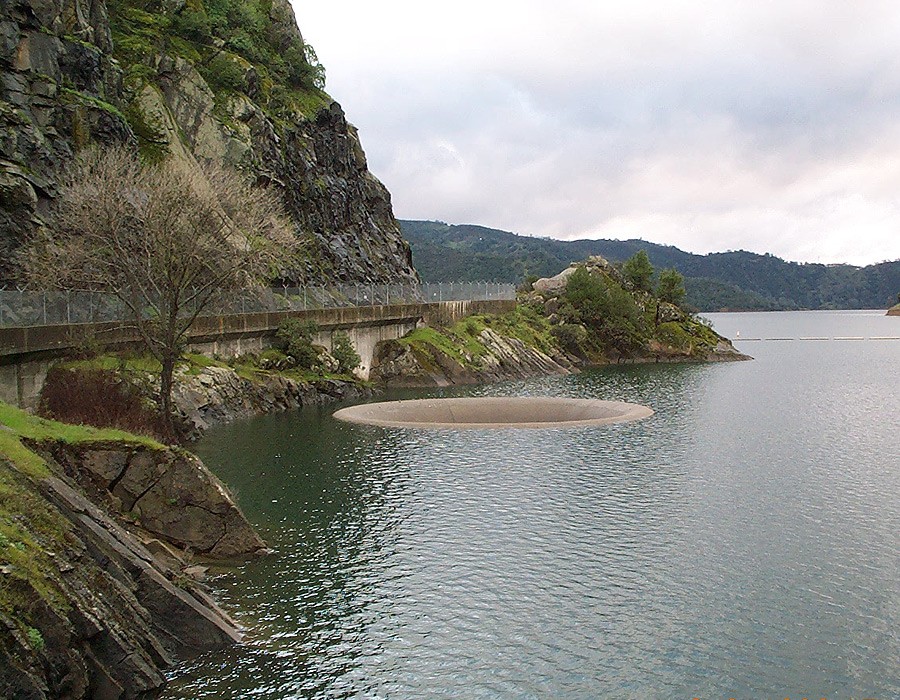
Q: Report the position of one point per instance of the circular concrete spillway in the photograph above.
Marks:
(493, 412)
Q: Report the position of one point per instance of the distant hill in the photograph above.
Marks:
(732, 280)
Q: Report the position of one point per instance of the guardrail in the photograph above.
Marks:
(22, 308)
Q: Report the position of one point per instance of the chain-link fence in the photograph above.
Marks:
(23, 307)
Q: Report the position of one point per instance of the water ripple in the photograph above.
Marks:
(741, 542)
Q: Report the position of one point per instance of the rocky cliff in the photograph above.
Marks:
(226, 80)
(97, 533)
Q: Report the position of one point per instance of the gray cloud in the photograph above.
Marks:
(764, 126)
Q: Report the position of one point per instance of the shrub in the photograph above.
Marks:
(343, 351)
(98, 397)
(606, 309)
(272, 358)
(295, 337)
(193, 24)
(472, 326)
(223, 73)
(571, 337)
(35, 638)
(673, 335)
(527, 284)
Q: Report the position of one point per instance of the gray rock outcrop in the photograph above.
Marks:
(65, 85)
(398, 364)
(217, 395)
(103, 615)
(169, 493)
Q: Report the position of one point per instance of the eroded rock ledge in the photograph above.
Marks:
(217, 395)
(106, 598)
(169, 493)
(399, 364)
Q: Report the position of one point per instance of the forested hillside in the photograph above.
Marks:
(732, 280)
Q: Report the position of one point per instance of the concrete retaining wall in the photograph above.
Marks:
(27, 353)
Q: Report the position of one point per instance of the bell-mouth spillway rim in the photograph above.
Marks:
(486, 412)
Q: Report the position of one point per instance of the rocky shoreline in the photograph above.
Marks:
(402, 366)
(398, 364)
(217, 395)
(104, 535)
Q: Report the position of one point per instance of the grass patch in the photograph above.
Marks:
(422, 339)
(462, 341)
(25, 460)
(527, 324)
(31, 534)
(29, 537)
(128, 362)
(687, 335)
(23, 425)
(196, 363)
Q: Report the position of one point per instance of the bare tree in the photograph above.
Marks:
(167, 240)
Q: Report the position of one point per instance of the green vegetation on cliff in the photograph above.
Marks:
(17, 426)
(465, 343)
(599, 313)
(229, 82)
(118, 390)
(238, 46)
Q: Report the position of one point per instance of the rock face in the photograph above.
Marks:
(400, 365)
(109, 607)
(169, 493)
(77, 72)
(219, 395)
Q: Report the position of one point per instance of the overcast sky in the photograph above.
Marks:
(771, 126)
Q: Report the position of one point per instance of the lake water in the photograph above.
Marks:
(744, 542)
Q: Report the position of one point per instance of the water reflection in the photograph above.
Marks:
(739, 543)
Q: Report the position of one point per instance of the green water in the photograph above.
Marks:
(743, 542)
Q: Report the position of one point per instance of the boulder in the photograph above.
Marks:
(167, 492)
(549, 285)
